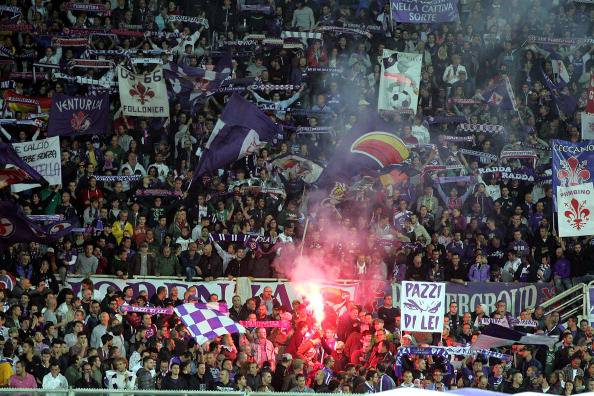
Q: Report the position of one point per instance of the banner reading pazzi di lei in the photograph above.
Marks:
(423, 306)
(425, 11)
(143, 95)
(516, 296)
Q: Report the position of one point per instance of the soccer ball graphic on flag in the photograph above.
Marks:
(399, 97)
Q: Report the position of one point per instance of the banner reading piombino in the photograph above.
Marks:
(575, 210)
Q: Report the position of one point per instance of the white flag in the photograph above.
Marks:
(143, 95)
(559, 70)
(575, 210)
(44, 156)
(587, 126)
(399, 81)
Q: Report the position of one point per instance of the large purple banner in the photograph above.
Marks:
(517, 296)
(425, 11)
(78, 115)
(368, 293)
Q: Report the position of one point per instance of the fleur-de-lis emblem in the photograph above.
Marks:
(573, 172)
(80, 121)
(577, 215)
(6, 228)
(495, 98)
(143, 93)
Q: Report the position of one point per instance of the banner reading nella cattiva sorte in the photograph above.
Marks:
(78, 115)
(143, 95)
(425, 11)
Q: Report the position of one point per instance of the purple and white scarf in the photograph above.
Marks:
(481, 154)
(84, 7)
(454, 179)
(188, 19)
(114, 178)
(301, 35)
(517, 154)
(155, 192)
(320, 69)
(441, 119)
(481, 128)
(148, 310)
(314, 130)
(464, 101)
(283, 324)
(450, 138)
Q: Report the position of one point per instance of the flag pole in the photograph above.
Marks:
(304, 235)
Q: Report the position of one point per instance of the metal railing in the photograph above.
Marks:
(109, 392)
(122, 392)
(570, 302)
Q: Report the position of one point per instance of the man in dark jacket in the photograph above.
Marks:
(143, 263)
(210, 264)
(144, 378)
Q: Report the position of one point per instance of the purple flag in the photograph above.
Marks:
(26, 174)
(78, 115)
(425, 11)
(15, 227)
(241, 130)
(190, 85)
(370, 146)
(499, 94)
(561, 96)
(206, 323)
(494, 336)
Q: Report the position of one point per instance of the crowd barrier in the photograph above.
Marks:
(105, 392)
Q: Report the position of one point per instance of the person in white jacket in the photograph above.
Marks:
(451, 74)
(121, 378)
(53, 379)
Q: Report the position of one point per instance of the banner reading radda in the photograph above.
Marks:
(575, 212)
(78, 115)
(423, 306)
(399, 81)
(425, 11)
(573, 164)
(143, 95)
(44, 156)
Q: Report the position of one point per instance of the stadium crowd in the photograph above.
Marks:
(481, 228)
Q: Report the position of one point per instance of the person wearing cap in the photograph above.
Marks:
(282, 371)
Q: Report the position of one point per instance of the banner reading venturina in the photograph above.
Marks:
(425, 11)
(78, 115)
(143, 95)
